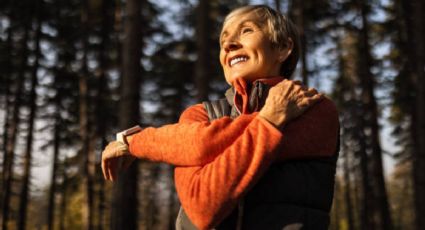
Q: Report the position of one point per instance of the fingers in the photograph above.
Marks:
(112, 170)
(114, 153)
(296, 82)
(311, 90)
(309, 101)
(104, 168)
(288, 85)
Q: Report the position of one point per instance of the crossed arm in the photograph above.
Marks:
(208, 193)
(231, 154)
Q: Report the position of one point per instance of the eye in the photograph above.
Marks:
(245, 30)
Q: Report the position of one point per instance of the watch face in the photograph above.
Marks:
(120, 137)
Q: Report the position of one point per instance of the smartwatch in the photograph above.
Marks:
(128, 132)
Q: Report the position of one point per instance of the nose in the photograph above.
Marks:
(231, 45)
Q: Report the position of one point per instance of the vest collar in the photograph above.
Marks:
(249, 97)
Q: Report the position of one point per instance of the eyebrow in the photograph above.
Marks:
(242, 23)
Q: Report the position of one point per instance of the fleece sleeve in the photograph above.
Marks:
(193, 141)
(209, 193)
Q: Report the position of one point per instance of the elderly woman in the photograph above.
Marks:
(264, 157)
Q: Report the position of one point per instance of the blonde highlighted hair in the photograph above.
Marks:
(279, 28)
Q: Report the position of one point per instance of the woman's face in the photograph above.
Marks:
(246, 50)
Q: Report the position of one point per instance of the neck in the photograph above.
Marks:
(249, 97)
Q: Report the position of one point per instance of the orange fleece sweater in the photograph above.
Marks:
(219, 161)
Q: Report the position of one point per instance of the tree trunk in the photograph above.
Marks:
(371, 117)
(345, 96)
(101, 134)
(202, 65)
(357, 198)
(86, 152)
(13, 129)
(336, 206)
(64, 196)
(347, 189)
(174, 205)
(124, 200)
(297, 12)
(23, 205)
(277, 5)
(413, 11)
(101, 195)
(101, 103)
(367, 208)
(8, 95)
(56, 146)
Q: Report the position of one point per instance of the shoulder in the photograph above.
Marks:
(326, 106)
(323, 114)
(194, 113)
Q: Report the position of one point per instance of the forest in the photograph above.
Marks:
(74, 73)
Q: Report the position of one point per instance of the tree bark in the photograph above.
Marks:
(64, 196)
(368, 206)
(202, 65)
(124, 213)
(23, 205)
(297, 12)
(345, 95)
(277, 5)
(347, 190)
(13, 128)
(101, 103)
(336, 206)
(8, 74)
(86, 151)
(371, 116)
(56, 146)
(413, 12)
(174, 205)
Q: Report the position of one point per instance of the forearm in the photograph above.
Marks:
(188, 143)
(209, 193)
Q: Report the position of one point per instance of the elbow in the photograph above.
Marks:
(197, 203)
(200, 215)
(201, 212)
(205, 224)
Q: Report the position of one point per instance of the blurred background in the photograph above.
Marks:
(73, 73)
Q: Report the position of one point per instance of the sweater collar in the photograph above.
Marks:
(249, 97)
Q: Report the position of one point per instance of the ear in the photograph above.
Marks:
(286, 51)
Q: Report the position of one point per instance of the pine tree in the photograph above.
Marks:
(125, 200)
(15, 120)
(24, 194)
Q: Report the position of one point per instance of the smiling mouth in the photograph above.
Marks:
(237, 59)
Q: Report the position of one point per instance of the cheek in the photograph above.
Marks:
(221, 59)
(261, 53)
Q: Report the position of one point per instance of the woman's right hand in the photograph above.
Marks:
(288, 100)
(115, 157)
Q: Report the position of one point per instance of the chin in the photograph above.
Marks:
(247, 78)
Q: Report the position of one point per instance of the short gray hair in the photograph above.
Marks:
(280, 30)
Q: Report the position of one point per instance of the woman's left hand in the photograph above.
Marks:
(287, 100)
(115, 157)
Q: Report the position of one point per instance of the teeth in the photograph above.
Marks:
(237, 60)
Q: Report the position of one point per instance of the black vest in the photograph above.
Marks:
(294, 194)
